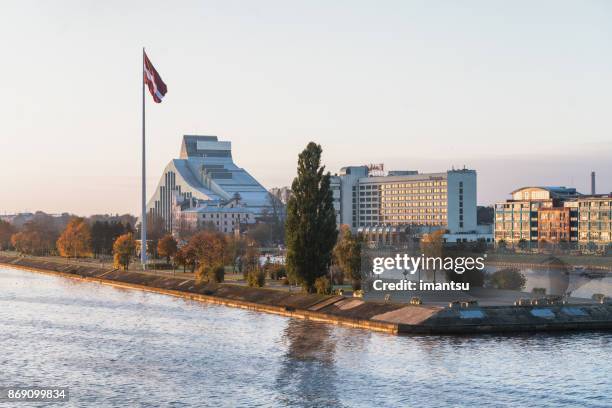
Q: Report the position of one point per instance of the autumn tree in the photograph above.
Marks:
(123, 250)
(208, 249)
(167, 247)
(28, 242)
(46, 228)
(75, 240)
(6, 231)
(347, 255)
(185, 257)
(432, 245)
(37, 236)
(311, 220)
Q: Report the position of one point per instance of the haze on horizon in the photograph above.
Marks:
(520, 91)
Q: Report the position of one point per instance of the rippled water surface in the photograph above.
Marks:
(116, 347)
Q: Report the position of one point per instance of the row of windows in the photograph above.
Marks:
(415, 198)
(553, 226)
(415, 204)
(408, 211)
(414, 191)
(512, 235)
(403, 217)
(510, 217)
(595, 203)
(419, 204)
(514, 206)
(415, 218)
(596, 236)
(403, 222)
(211, 216)
(554, 235)
(507, 224)
(414, 184)
(604, 216)
(218, 223)
(510, 225)
(595, 225)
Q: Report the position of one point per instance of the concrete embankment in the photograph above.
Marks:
(390, 318)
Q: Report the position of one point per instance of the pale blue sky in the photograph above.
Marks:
(519, 90)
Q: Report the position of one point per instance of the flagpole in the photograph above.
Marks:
(143, 222)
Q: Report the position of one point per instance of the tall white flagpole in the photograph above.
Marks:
(143, 222)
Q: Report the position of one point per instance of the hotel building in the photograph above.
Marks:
(390, 203)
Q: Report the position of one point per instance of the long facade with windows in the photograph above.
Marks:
(406, 199)
(555, 215)
(205, 172)
(227, 216)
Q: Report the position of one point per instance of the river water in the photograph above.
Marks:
(115, 347)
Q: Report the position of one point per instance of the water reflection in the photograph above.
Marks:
(308, 376)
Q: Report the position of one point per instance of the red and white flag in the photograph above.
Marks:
(157, 87)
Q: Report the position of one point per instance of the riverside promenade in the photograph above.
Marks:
(393, 318)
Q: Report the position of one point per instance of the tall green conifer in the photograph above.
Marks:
(311, 220)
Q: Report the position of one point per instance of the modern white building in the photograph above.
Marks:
(206, 172)
(402, 199)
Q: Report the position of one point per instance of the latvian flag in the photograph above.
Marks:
(156, 86)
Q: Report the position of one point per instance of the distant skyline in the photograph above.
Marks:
(520, 91)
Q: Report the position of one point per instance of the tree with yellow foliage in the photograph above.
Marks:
(208, 249)
(432, 245)
(123, 251)
(75, 240)
(6, 231)
(347, 255)
(167, 247)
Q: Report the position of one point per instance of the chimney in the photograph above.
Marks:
(593, 183)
